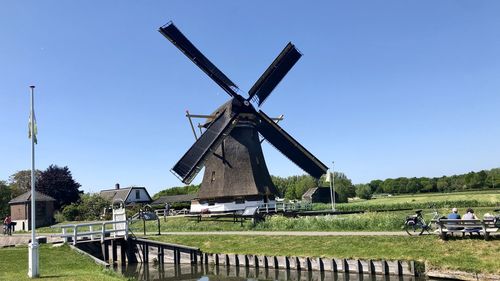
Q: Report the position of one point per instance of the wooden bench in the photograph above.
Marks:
(458, 226)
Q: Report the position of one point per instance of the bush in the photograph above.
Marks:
(89, 207)
(59, 217)
(363, 191)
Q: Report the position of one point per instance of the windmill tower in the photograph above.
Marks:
(236, 174)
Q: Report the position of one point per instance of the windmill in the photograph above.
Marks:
(236, 174)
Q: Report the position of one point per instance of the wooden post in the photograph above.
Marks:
(114, 251)
(65, 239)
(103, 232)
(126, 230)
(91, 234)
(75, 234)
(105, 251)
(123, 252)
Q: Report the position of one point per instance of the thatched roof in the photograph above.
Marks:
(26, 197)
(120, 193)
(183, 198)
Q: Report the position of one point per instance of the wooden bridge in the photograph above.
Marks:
(112, 241)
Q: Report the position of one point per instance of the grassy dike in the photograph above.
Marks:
(471, 255)
(56, 263)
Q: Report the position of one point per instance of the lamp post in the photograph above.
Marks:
(33, 254)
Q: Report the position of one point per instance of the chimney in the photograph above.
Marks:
(117, 186)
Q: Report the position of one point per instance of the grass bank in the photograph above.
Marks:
(370, 221)
(56, 263)
(471, 255)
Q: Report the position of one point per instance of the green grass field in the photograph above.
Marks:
(472, 255)
(492, 196)
(56, 263)
(486, 198)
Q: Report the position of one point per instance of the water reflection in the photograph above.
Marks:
(143, 272)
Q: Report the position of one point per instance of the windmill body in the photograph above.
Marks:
(236, 174)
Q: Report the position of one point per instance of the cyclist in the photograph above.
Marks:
(7, 225)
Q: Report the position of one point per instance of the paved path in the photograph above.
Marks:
(290, 233)
(23, 239)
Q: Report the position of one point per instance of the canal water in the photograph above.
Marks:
(151, 272)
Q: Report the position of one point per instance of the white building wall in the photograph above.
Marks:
(143, 196)
(196, 207)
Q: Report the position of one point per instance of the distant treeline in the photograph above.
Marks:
(293, 187)
(470, 181)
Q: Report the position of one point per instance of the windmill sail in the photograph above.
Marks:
(172, 33)
(275, 73)
(193, 160)
(287, 145)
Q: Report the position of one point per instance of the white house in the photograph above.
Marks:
(129, 195)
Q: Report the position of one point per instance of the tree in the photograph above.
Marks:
(5, 196)
(363, 191)
(58, 183)
(343, 187)
(89, 207)
(20, 182)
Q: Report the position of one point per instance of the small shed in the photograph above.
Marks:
(20, 210)
(319, 195)
(129, 195)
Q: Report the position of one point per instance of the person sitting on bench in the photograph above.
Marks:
(471, 216)
(454, 216)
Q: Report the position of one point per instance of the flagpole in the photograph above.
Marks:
(33, 246)
(333, 184)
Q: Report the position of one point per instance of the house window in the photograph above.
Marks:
(137, 194)
(213, 176)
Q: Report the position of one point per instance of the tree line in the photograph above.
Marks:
(293, 187)
(56, 182)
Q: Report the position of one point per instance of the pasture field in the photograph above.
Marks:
(492, 196)
(484, 198)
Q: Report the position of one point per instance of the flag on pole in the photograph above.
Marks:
(35, 130)
(329, 177)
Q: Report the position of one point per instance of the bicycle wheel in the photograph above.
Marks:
(414, 229)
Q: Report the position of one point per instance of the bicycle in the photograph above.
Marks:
(7, 230)
(415, 224)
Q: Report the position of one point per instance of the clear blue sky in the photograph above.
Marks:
(385, 88)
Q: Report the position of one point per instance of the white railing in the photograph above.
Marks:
(96, 230)
(171, 212)
(284, 207)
